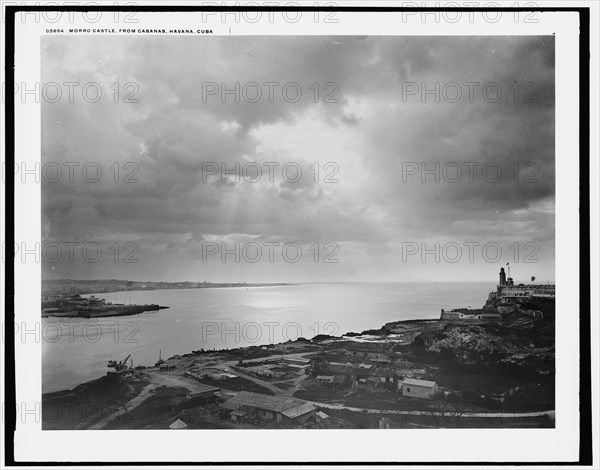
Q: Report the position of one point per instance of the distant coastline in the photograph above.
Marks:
(101, 286)
(491, 368)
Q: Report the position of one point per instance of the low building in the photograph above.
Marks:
(264, 372)
(461, 314)
(331, 381)
(178, 425)
(417, 388)
(255, 406)
(324, 379)
(296, 360)
(375, 356)
(492, 315)
(51, 310)
(384, 376)
(296, 367)
(382, 360)
(320, 416)
(369, 383)
(213, 374)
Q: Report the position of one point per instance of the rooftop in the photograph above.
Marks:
(365, 347)
(297, 359)
(419, 383)
(178, 424)
(289, 407)
(383, 373)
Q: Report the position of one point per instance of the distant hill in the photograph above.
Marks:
(72, 286)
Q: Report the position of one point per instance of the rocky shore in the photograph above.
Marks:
(91, 307)
(497, 373)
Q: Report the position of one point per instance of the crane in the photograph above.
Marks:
(119, 365)
(123, 364)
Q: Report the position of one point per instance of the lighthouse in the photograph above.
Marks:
(502, 277)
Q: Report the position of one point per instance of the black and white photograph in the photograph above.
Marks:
(311, 222)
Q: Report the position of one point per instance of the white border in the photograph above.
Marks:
(560, 444)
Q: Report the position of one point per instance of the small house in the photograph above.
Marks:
(417, 388)
(384, 376)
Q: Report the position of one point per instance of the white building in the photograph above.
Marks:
(417, 388)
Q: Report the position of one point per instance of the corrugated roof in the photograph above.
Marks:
(299, 410)
(241, 412)
(296, 358)
(418, 382)
(290, 407)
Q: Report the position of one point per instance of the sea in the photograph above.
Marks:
(77, 350)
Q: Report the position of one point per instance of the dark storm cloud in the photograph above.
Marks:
(354, 111)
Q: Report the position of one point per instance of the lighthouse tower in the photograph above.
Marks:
(502, 278)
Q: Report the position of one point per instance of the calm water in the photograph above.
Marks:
(76, 350)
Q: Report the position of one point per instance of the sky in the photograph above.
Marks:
(421, 158)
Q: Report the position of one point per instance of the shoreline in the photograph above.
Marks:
(426, 349)
(104, 286)
(496, 365)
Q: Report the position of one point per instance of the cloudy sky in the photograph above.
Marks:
(360, 119)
